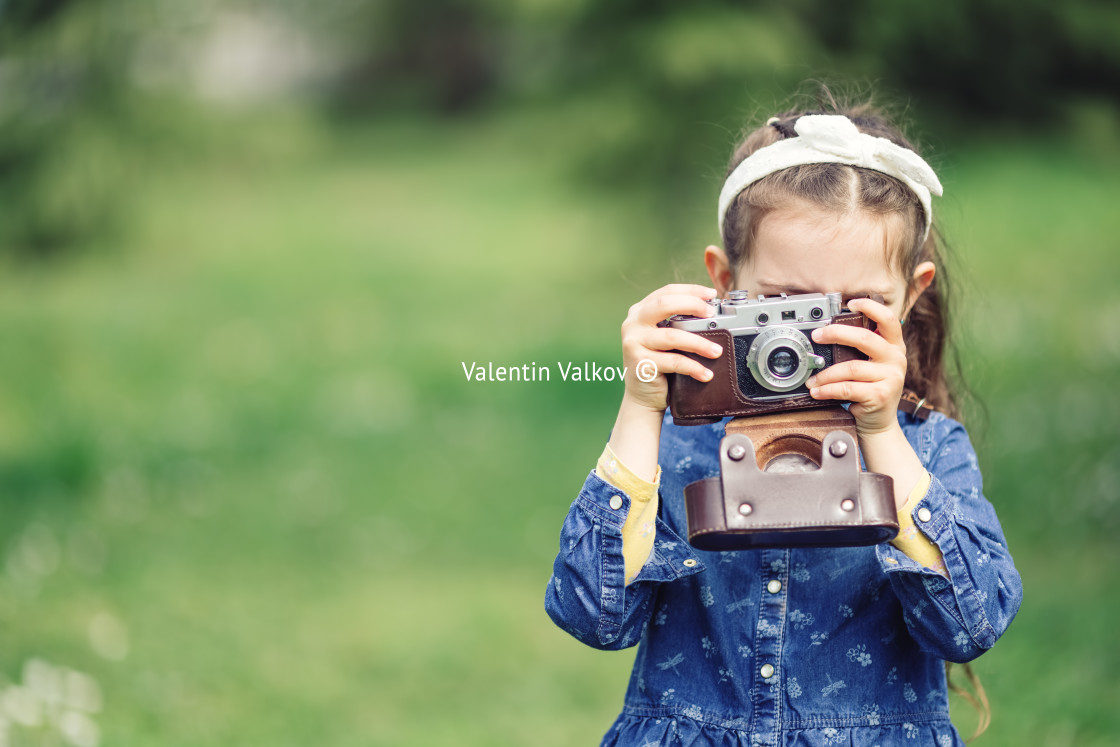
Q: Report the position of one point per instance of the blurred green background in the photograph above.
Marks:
(248, 496)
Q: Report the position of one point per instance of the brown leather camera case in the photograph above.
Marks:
(833, 505)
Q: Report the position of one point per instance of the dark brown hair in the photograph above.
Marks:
(842, 188)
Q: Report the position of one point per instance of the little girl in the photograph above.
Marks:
(797, 646)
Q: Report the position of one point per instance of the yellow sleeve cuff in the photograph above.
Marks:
(911, 541)
(638, 530)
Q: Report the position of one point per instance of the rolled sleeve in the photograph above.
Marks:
(911, 541)
(638, 529)
(959, 617)
(587, 595)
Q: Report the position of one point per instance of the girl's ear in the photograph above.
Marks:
(923, 276)
(719, 269)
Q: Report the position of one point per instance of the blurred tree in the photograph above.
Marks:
(657, 84)
(440, 53)
(1001, 58)
(667, 85)
(62, 98)
(992, 57)
(661, 86)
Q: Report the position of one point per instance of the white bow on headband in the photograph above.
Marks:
(831, 138)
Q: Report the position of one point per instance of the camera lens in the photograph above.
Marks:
(782, 363)
(780, 359)
(817, 312)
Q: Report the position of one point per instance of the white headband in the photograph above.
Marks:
(830, 138)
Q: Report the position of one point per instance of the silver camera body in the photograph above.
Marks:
(773, 349)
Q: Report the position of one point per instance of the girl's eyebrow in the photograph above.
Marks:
(778, 287)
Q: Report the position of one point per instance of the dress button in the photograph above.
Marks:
(774, 586)
(690, 563)
(767, 671)
(616, 502)
(924, 514)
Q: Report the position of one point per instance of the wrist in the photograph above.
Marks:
(888, 452)
(887, 433)
(637, 409)
(636, 437)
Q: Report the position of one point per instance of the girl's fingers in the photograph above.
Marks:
(863, 371)
(680, 364)
(853, 391)
(658, 307)
(668, 338)
(874, 346)
(889, 327)
(642, 339)
(703, 291)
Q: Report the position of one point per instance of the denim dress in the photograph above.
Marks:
(788, 646)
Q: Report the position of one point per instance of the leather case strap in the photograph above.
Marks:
(912, 404)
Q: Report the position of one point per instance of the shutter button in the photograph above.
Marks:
(924, 515)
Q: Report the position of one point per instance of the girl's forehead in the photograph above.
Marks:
(809, 249)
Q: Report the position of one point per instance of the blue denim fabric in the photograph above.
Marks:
(856, 637)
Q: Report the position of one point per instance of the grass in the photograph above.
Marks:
(248, 490)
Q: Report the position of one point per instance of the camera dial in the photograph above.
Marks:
(782, 358)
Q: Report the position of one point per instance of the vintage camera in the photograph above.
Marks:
(768, 355)
(789, 465)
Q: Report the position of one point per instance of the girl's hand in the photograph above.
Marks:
(873, 386)
(642, 340)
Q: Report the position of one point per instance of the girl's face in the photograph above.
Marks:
(803, 249)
